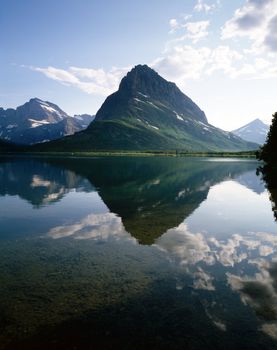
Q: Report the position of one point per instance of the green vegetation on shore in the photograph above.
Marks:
(171, 153)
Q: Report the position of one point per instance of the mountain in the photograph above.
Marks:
(252, 181)
(148, 112)
(255, 131)
(38, 121)
(85, 119)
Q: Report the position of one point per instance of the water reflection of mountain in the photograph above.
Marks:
(152, 195)
(38, 182)
(251, 181)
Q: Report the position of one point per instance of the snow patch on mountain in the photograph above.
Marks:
(35, 123)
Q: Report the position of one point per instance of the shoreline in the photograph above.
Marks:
(246, 154)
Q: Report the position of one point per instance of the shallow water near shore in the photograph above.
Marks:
(136, 253)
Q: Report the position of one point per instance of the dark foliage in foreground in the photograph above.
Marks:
(268, 152)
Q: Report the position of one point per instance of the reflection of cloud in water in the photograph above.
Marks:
(267, 237)
(227, 253)
(202, 280)
(256, 249)
(97, 226)
(265, 250)
(270, 329)
(190, 248)
(196, 253)
(216, 321)
(54, 196)
(260, 292)
(38, 181)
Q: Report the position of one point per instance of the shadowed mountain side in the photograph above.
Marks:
(152, 195)
(38, 182)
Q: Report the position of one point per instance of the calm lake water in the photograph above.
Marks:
(136, 253)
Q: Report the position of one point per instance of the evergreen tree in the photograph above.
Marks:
(269, 150)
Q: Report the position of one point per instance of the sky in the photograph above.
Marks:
(221, 53)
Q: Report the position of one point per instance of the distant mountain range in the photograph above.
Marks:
(255, 131)
(148, 112)
(39, 121)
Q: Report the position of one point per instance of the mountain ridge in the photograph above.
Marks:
(38, 121)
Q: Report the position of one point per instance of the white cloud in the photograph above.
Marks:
(257, 21)
(174, 25)
(196, 30)
(179, 63)
(223, 59)
(57, 74)
(270, 40)
(89, 80)
(183, 62)
(202, 6)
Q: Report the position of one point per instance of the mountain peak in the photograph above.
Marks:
(36, 99)
(255, 131)
(145, 71)
(256, 121)
(141, 68)
(39, 102)
(140, 78)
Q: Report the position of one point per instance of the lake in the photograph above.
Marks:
(136, 253)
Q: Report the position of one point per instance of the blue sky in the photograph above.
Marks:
(73, 53)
